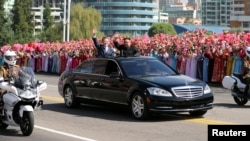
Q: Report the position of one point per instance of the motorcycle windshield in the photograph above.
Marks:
(26, 77)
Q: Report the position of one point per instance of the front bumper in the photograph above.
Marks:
(177, 105)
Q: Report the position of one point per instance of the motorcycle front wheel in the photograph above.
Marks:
(27, 123)
(240, 100)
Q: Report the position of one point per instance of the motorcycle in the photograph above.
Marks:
(237, 86)
(20, 100)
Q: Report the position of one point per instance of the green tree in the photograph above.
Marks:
(48, 20)
(83, 20)
(2, 22)
(22, 24)
(2, 12)
(6, 34)
(5, 29)
(51, 31)
(161, 28)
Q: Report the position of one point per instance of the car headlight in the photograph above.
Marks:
(207, 89)
(158, 92)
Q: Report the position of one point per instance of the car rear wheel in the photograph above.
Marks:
(139, 107)
(69, 97)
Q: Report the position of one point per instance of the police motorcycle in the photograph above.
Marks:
(236, 84)
(20, 100)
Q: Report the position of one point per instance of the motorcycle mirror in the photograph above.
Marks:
(39, 82)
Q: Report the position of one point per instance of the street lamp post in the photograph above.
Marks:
(64, 20)
(68, 21)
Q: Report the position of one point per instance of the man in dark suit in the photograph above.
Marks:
(126, 49)
(104, 49)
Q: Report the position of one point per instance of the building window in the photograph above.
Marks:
(246, 24)
(110, 32)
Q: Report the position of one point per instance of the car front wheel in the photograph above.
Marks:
(69, 98)
(139, 107)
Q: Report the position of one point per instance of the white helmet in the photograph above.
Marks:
(10, 57)
(247, 51)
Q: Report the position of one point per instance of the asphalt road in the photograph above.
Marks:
(55, 122)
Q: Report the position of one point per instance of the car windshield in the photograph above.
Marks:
(146, 67)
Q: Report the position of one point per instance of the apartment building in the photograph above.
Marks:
(177, 11)
(163, 3)
(134, 17)
(216, 12)
(38, 8)
(240, 15)
(163, 17)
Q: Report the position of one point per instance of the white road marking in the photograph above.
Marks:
(63, 133)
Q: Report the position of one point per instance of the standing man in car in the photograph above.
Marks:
(126, 49)
(104, 49)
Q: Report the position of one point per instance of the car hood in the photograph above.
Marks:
(171, 80)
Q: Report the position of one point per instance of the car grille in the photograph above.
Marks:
(188, 91)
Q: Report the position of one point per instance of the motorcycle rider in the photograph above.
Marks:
(246, 70)
(8, 70)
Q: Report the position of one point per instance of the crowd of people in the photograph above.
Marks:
(208, 57)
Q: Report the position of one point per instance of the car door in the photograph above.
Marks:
(81, 79)
(95, 82)
(113, 89)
